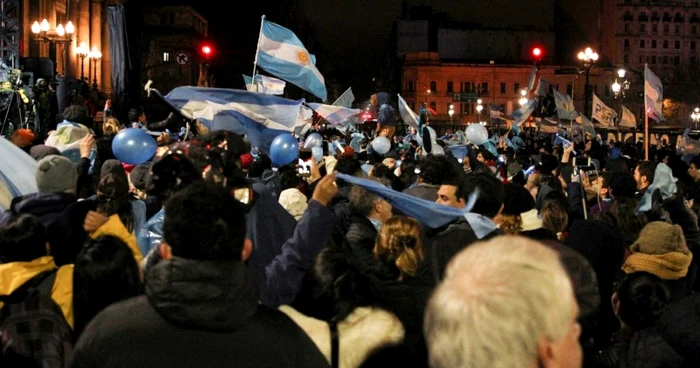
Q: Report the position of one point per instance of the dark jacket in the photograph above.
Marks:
(195, 314)
(440, 249)
(46, 206)
(361, 237)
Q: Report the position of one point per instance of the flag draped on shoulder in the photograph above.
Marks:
(281, 53)
(260, 117)
(653, 94)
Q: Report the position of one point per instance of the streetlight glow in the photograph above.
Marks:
(60, 31)
(621, 73)
(45, 25)
(36, 28)
(616, 87)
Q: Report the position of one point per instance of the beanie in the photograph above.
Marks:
(56, 174)
(660, 250)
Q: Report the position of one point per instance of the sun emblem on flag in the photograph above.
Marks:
(303, 57)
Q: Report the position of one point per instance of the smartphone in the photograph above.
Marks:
(303, 168)
(582, 162)
(326, 147)
(305, 154)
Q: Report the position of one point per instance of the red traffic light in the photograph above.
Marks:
(206, 50)
(537, 52)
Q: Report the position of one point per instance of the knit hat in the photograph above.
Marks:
(139, 176)
(246, 160)
(660, 250)
(40, 151)
(517, 200)
(56, 174)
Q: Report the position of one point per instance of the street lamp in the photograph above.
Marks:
(82, 51)
(620, 90)
(95, 55)
(523, 99)
(479, 107)
(696, 117)
(451, 112)
(587, 57)
(61, 35)
(427, 94)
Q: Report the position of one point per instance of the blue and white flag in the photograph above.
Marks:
(653, 94)
(281, 53)
(346, 99)
(17, 173)
(565, 106)
(336, 115)
(259, 116)
(407, 115)
(264, 84)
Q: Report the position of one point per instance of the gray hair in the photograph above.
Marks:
(497, 300)
(361, 201)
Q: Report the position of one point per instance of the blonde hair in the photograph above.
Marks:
(498, 299)
(511, 224)
(399, 241)
(111, 126)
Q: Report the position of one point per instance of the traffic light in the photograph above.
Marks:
(537, 53)
(207, 51)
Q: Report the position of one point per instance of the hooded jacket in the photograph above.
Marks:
(195, 314)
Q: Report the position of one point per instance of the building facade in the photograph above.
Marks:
(173, 38)
(443, 85)
(89, 19)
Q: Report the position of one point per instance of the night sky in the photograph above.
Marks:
(353, 35)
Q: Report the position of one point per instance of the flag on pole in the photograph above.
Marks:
(565, 106)
(265, 84)
(628, 119)
(259, 116)
(534, 82)
(601, 112)
(281, 53)
(334, 114)
(346, 99)
(407, 115)
(653, 94)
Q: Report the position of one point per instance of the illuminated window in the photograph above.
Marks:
(166, 56)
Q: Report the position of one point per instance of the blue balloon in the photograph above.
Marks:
(133, 146)
(284, 149)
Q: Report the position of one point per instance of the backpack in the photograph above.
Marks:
(33, 330)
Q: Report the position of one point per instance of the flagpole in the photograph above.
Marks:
(257, 50)
(646, 117)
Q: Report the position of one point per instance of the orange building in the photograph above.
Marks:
(426, 78)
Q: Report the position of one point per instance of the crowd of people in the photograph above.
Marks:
(210, 255)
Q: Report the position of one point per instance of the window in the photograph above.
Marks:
(627, 27)
(643, 28)
(450, 87)
(503, 88)
(641, 44)
(433, 87)
(677, 44)
(166, 57)
(468, 108)
(666, 28)
(693, 60)
(653, 59)
(676, 60)
(641, 59)
(516, 88)
(625, 59)
(569, 89)
(467, 87)
(693, 29)
(665, 44)
(665, 60)
(433, 105)
(653, 44)
(484, 88)
(410, 86)
(692, 45)
(627, 43)
(412, 106)
(678, 29)
(163, 19)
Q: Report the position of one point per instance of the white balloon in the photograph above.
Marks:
(477, 134)
(313, 140)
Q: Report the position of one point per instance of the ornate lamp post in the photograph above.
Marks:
(82, 51)
(61, 35)
(587, 57)
(696, 117)
(95, 55)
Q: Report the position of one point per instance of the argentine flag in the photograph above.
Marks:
(281, 53)
(259, 116)
(264, 84)
(335, 114)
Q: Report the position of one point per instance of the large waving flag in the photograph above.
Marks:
(17, 173)
(565, 106)
(628, 119)
(281, 53)
(264, 84)
(653, 94)
(407, 115)
(335, 114)
(346, 99)
(259, 116)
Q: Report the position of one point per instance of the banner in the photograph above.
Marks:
(603, 114)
